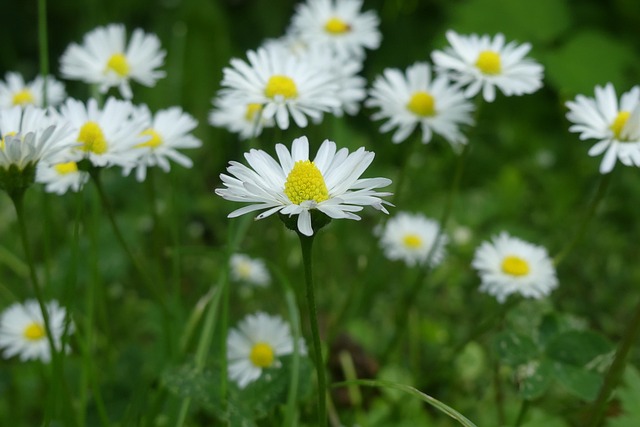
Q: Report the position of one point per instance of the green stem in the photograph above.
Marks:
(43, 48)
(524, 408)
(292, 396)
(405, 167)
(306, 243)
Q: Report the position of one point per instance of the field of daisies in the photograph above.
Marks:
(320, 213)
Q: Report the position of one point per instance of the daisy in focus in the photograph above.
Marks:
(256, 344)
(616, 125)
(337, 24)
(249, 270)
(295, 185)
(23, 334)
(411, 238)
(14, 91)
(245, 119)
(104, 59)
(415, 99)
(482, 63)
(508, 265)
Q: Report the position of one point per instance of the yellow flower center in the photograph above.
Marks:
(261, 355)
(412, 241)
(24, 97)
(155, 140)
(305, 182)
(489, 62)
(118, 64)
(34, 332)
(422, 104)
(619, 122)
(244, 270)
(66, 168)
(281, 86)
(515, 266)
(336, 26)
(92, 138)
(252, 110)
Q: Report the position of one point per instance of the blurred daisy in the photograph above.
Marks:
(245, 119)
(256, 344)
(61, 176)
(410, 238)
(414, 99)
(330, 183)
(23, 334)
(104, 60)
(249, 270)
(337, 24)
(166, 132)
(508, 265)
(481, 64)
(14, 91)
(282, 85)
(615, 125)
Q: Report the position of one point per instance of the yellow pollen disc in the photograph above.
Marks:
(515, 266)
(118, 64)
(92, 138)
(619, 122)
(336, 26)
(412, 241)
(154, 142)
(422, 104)
(34, 332)
(281, 86)
(305, 182)
(65, 168)
(244, 270)
(489, 62)
(24, 97)
(261, 355)
(252, 110)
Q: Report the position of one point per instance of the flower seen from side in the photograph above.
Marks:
(243, 118)
(508, 265)
(61, 175)
(14, 91)
(249, 270)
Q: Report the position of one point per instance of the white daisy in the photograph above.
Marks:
(415, 99)
(104, 60)
(615, 125)
(256, 344)
(61, 175)
(14, 91)
(508, 265)
(245, 119)
(282, 84)
(483, 63)
(330, 183)
(410, 238)
(337, 24)
(23, 334)
(249, 270)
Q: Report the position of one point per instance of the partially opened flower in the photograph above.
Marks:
(295, 185)
(616, 125)
(243, 118)
(482, 63)
(14, 91)
(249, 270)
(104, 59)
(508, 265)
(415, 99)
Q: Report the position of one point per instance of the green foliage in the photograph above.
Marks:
(629, 396)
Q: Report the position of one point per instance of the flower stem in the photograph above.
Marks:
(43, 47)
(306, 244)
(405, 167)
(524, 408)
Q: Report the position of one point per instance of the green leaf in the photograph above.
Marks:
(535, 379)
(203, 386)
(580, 382)
(629, 396)
(577, 348)
(515, 349)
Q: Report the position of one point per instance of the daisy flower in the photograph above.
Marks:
(166, 132)
(282, 84)
(482, 63)
(615, 125)
(337, 24)
(410, 238)
(256, 344)
(330, 183)
(61, 174)
(508, 265)
(23, 334)
(245, 119)
(249, 270)
(105, 60)
(415, 99)
(14, 91)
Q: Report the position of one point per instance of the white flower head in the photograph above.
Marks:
(256, 344)
(249, 270)
(243, 118)
(482, 63)
(508, 265)
(61, 173)
(415, 99)
(295, 185)
(106, 60)
(14, 91)
(410, 238)
(616, 125)
(23, 334)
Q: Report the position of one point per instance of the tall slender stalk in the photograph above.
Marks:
(43, 42)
